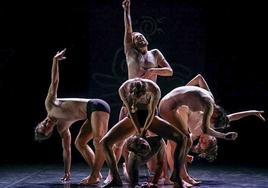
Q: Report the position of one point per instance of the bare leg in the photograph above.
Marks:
(99, 122)
(167, 131)
(122, 130)
(81, 143)
(118, 147)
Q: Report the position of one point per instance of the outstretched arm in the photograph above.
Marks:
(128, 25)
(53, 88)
(239, 115)
(198, 80)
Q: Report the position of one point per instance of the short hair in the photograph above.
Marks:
(138, 88)
(137, 145)
(222, 120)
(40, 136)
(211, 152)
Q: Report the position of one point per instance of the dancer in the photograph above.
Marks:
(62, 113)
(140, 150)
(141, 62)
(194, 104)
(141, 96)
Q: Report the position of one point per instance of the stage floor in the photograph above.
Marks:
(45, 175)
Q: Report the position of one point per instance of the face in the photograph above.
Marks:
(45, 127)
(139, 40)
(204, 141)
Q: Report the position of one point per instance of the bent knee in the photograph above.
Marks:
(79, 144)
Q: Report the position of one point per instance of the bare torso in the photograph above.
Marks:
(138, 63)
(66, 111)
(194, 97)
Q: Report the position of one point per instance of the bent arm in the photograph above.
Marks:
(163, 69)
(128, 26)
(123, 91)
(152, 107)
(240, 115)
(198, 80)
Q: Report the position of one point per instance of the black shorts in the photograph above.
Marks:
(94, 105)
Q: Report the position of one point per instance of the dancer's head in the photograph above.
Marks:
(207, 147)
(139, 40)
(44, 129)
(138, 145)
(219, 118)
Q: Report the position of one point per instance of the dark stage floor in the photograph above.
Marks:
(43, 176)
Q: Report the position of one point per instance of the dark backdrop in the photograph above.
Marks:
(224, 41)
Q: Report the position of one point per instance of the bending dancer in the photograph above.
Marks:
(141, 96)
(140, 150)
(194, 104)
(62, 113)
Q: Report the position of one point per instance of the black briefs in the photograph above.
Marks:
(97, 105)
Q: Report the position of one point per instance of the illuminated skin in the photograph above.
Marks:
(61, 114)
(139, 151)
(141, 63)
(136, 100)
(194, 120)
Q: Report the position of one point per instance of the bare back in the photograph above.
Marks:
(67, 109)
(194, 97)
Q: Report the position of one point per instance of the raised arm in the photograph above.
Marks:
(239, 115)
(128, 26)
(53, 88)
(198, 80)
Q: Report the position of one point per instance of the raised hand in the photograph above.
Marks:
(126, 4)
(60, 55)
(259, 114)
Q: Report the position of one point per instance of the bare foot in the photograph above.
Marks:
(90, 180)
(108, 178)
(113, 183)
(191, 180)
(165, 181)
(125, 172)
(186, 184)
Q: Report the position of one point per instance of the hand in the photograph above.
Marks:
(189, 158)
(126, 4)
(259, 115)
(148, 74)
(66, 177)
(60, 55)
(230, 136)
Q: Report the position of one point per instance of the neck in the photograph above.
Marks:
(143, 50)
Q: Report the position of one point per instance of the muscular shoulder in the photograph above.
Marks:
(155, 52)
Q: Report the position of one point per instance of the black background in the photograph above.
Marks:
(224, 41)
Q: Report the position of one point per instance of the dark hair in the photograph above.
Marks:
(138, 88)
(39, 136)
(221, 121)
(136, 144)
